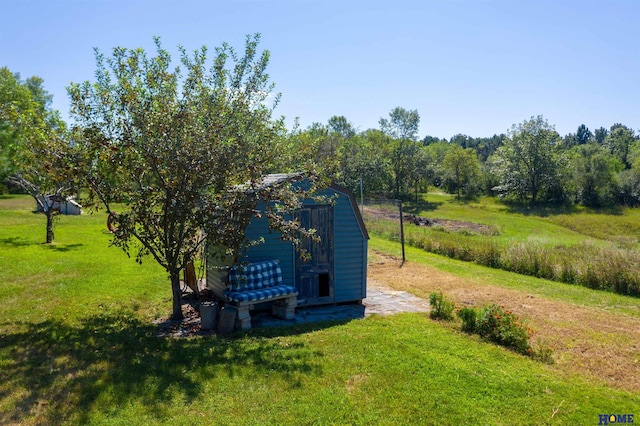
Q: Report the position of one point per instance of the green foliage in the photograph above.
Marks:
(441, 307)
(527, 163)
(630, 187)
(504, 328)
(360, 159)
(35, 155)
(402, 124)
(532, 163)
(341, 126)
(402, 127)
(469, 317)
(174, 147)
(594, 172)
(462, 173)
(619, 141)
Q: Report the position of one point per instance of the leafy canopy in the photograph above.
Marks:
(35, 155)
(185, 149)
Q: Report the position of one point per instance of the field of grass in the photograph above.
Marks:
(594, 249)
(552, 225)
(78, 345)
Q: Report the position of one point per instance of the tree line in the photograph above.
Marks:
(530, 163)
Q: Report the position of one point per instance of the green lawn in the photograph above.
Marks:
(77, 346)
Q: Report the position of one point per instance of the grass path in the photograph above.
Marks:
(599, 338)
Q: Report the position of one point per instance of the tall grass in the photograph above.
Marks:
(598, 266)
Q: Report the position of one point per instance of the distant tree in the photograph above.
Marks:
(463, 141)
(402, 126)
(420, 168)
(594, 174)
(583, 135)
(186, 154)
(341, 126)
(462, 171)
(600, 135)
(487, 146)
(428, 140)
(363, 158)
(34, 154)
(634, 154)
(619, 141)
(630, 179)
(436, 153)
(630, 187)
(526, 164)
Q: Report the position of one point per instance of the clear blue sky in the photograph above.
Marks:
(472, 67)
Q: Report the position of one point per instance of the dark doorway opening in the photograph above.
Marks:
(324, 289)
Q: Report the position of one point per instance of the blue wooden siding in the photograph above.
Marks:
(350, 252)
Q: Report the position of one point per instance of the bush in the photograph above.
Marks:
(441, 307)
(469, 317)
(503, 328)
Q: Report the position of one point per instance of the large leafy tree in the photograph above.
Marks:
(362, 159)
(619, 141)
(34, 152)
(527, 163)
(185, 148)
(462, 171)
(594, 173)
(402, 126)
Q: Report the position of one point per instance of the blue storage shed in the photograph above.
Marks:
(337, 269)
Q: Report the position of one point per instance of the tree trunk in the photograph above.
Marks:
(49, 215)
(397, 189)
(177, 297)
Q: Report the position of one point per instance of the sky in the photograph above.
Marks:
(474, 67)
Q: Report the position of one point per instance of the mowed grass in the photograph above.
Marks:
(76, 275)
(592, 333)
(78, 346)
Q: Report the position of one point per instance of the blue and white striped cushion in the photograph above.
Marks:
(260, 294)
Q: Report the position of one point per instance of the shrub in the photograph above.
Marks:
(469, 317)
(441, 307)
(503, 328)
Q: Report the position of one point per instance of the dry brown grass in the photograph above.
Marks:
(587, 341)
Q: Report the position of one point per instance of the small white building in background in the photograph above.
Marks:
(67, 206)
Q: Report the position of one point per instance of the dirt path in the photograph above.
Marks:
(587, 341)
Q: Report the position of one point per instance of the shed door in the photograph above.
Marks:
(314, 277)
